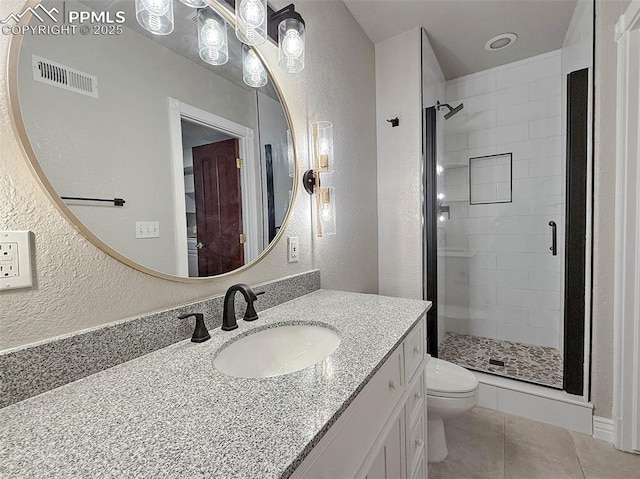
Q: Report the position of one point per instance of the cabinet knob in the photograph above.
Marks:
(419, 443)
(392, 384)
(416, 350)
(418, 396)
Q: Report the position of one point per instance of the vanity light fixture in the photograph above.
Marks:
(291, 45)
(194, 3)
(325, 211)
(255, 22)
(213, 44)
(253, 72)
(251, 21)
(156, 16)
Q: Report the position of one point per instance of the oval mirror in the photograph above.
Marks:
(196, 167)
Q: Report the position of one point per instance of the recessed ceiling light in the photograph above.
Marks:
(501, 41)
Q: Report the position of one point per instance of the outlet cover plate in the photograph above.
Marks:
(15, 260)
(293, 249)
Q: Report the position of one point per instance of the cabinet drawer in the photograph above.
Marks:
(415, 443)
(387, 386)
(414, 346)
(415, 400)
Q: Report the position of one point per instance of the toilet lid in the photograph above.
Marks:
(446, 377)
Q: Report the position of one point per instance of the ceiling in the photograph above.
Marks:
(459, 29)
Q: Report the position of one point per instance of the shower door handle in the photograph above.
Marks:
(554, 238)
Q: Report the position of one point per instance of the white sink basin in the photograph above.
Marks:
(277, 351)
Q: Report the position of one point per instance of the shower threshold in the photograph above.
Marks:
(533, 364)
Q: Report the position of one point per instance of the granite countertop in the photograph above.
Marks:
(171, 414)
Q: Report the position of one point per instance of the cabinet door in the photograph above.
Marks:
(388, 463)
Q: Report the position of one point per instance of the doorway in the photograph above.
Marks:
(192, 128)
(213, 198)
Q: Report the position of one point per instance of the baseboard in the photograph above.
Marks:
(603, 428)
(536, 402)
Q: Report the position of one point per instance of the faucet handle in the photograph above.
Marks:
(200, 333)
(250, 314)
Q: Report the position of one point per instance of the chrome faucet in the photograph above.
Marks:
(229, 313)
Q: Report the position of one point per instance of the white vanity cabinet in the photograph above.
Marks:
(382, 434)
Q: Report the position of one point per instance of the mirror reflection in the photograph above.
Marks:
(200, 159)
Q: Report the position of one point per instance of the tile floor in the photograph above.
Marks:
(536, 364)
(487, 444)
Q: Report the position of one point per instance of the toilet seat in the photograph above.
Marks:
(445, 379)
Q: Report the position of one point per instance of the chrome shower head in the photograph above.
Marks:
(452, 111)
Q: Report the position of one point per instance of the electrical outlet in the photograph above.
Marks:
(15, 260)
(293, 246)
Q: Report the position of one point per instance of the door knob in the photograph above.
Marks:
(200, 245)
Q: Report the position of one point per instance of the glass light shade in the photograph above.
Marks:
(291, 157)
(253, 71)
(325, 211)
(194, 3)
(251, 21)
(291, 45)
(155, 16)
(322, 135)
(213, 44)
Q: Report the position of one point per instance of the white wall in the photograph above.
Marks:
(607, 13)
(501, 280)
(77, 286)
(118, 145)
(398, 94)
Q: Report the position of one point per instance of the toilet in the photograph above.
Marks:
(451, 390)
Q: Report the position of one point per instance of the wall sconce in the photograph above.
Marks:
(325, 211)
(212, 37)
(322, 139)
(322, 136)
(156, 16)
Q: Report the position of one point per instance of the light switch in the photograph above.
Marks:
(147, 229)
(293, 246)
(15, 260)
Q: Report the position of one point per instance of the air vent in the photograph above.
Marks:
(56, 74)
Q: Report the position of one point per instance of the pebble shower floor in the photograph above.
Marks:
(534, 364)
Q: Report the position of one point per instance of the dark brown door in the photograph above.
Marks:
(218, 207)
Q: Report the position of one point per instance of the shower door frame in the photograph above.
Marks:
(576, 371)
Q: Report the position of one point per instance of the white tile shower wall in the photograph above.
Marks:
(508, 285)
